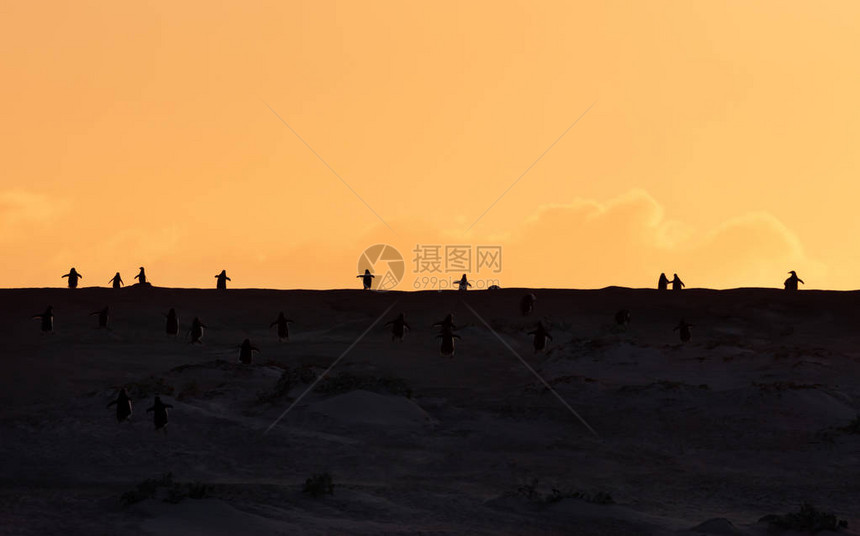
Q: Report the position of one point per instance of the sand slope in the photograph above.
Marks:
(741, 422)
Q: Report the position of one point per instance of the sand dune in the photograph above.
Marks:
(744, 420)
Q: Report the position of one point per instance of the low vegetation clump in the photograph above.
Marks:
(779, 387)
(289, 378)
(345, 382)
(319, 485)
(531, 493)
(164, 486)
(806, 519)
(852, 427)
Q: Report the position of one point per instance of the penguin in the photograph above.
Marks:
(123, 405)
(366, 279)
(446, 349)
(527, 304)
(791, 282)
(246, 351)
(159, 410)
(142, 277)
(683, 330)
(399, 327)
(463, 284)
(73, 278)
(622, 317)
(116, 280)
(447, 323)
(197, 331)
(222, 280)
(172, 325)
(47, 319)
(663, 283)
(677, 284)
(283, 326)
(104, 316)
(494, 287)
(541, 336)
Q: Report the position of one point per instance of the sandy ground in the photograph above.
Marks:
(741, 422)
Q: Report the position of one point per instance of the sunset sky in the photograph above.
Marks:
(720, 140)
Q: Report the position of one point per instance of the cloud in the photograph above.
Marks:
(19, 208)
(629, 241)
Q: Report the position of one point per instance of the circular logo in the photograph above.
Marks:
(386, 265)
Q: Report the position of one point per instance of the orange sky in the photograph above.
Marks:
(722, 143)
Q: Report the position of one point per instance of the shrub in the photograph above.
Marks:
(807, 518)
(319, 485)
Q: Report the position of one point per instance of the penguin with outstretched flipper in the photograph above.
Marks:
(73, 276)
(541, 337)
(399, 327)
(222, 280)
(366, 279)
(123, 405)
(116, 280)
(246, 352)
(159, 410)
(463, 284)
(283, 324)
(791, 282)
(683, 329)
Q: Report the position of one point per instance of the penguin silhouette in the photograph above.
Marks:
(246, 352)
(683, 329)
(73, 278)
(677, 284)
(622, 317)
(447, 346)
(527, 304)
(104, 316)
(116, 280)
(141, 277)
(123, 405)
(283, 326)
(366, 279)
(159, 410)
(222, 280)
(791, 282)
(447, 323)
(197, 331)
(399, 327)
(47, 319)
(663, 283)
(541, 337)
(463, 284)
(494, 287)
(172, 325)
